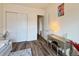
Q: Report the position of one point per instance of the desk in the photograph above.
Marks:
(61, 41)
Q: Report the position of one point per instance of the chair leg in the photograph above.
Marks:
(57, 51)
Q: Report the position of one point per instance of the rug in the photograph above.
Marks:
(24, 52)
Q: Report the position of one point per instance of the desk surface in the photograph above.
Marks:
(58, 37)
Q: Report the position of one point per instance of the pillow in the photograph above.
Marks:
(5, 35)
(74, 44)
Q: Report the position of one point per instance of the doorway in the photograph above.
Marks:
(40, 25)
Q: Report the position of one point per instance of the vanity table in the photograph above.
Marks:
(58, 42)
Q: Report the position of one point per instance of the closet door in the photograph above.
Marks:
(12, 25)
(22, 27)
(17, 26)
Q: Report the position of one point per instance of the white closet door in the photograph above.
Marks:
(22, 27)
(17, 26)
(12, 25)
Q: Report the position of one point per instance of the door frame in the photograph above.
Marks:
(38, 25)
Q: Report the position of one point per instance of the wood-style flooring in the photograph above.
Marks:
(38, 47)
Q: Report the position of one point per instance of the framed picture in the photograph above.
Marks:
(61, 10)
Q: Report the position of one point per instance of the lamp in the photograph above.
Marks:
(55, 26)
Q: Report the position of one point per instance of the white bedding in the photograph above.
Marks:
(5, 46)
(3, 42)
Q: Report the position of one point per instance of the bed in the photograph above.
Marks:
(5, 47)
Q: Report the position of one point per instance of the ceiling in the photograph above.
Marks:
(38, 5)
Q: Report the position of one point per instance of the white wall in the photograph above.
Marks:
(69, 23)
(50, 16)
(32, 18)
(1, 18)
